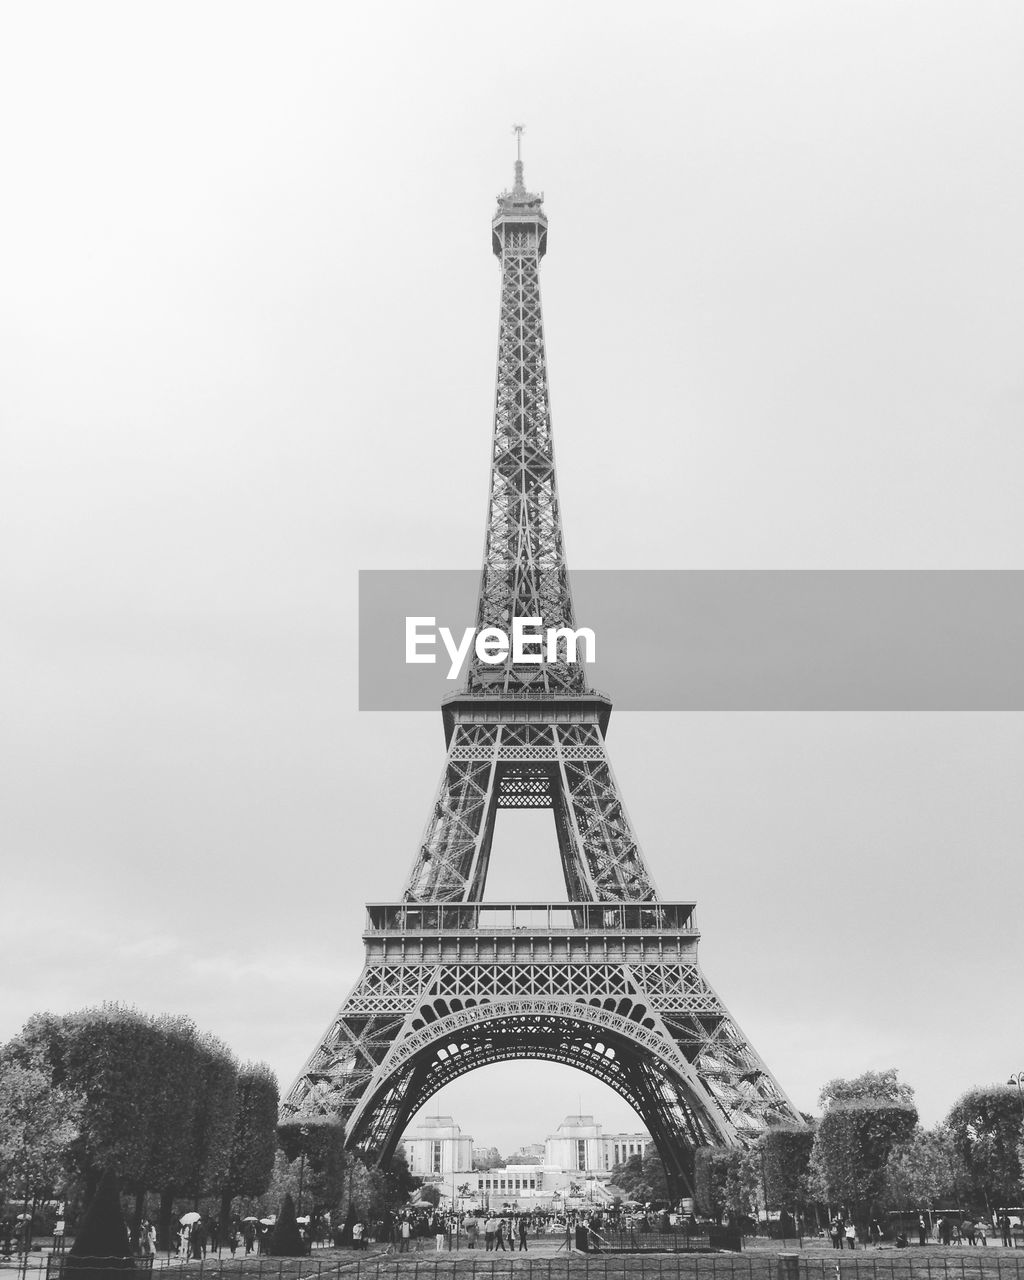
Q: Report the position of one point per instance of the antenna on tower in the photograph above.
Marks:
(517, 129)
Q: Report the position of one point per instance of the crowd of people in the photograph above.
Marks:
(492, 1231)
(419, 1227)
(946, 1230)
(195, 1237)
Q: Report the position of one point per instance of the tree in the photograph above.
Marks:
(653, 1170)
(785, 1154)
(318, 1143)
(254, 1137)
(852, 1147)
(136, 1080)
(491, 1158)
(174, 1090)
(371, 1190)
(629, 1175)
(725, 1182)
(213, 1120)
(923, 1170)
(38, 1126)
(878, 1085)
(284, 1179)
(399, 1178)
(985, 1127)
(109, 1056)
(102, 1233)
(285, 1239)
(711, 1168)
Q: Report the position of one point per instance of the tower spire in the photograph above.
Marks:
(524, 571)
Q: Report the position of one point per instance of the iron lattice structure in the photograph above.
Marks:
(608, 981)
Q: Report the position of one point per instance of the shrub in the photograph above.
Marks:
(285, 1240)
(102, 1234)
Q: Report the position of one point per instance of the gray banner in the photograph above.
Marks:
(901, 640)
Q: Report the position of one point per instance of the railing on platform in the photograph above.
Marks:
(541, 917)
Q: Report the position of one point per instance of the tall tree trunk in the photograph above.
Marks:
(164, 1225)
(140, 1209)
(225, 1214)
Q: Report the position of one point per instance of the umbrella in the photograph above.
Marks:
(187, 1219)
(250, 1219)
(268, 1222)
(23, 1217)
(303, 1219)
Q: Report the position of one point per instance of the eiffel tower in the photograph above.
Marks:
(607, 981)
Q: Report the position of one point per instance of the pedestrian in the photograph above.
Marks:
(357, 1235)
(198, 1241)
(1004, 1231)
(472, 1229)
(835, 1232)
(922, 1228)
(522, 1235)
(982, 1230)
(490, 1226)
(499, 1235)
(851, 1235)
(404, 1232)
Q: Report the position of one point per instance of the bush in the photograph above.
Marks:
(102, 1235)
(285, 1239)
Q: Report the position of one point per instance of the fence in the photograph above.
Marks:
(904, 1264)
(635, 1240)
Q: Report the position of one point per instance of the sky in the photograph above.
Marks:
(247, 342)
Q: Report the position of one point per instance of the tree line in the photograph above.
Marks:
(166, 1107)
(173, 1120)
(170, 1112)
(868, 1154)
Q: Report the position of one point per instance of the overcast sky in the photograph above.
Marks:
(248, 314)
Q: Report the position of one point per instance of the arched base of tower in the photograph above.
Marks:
(610, 1047)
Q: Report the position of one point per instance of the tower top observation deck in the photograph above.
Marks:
(519, 207)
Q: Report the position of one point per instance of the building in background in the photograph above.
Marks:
(579, 1146)
(573, 1167)
(438, 1149)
